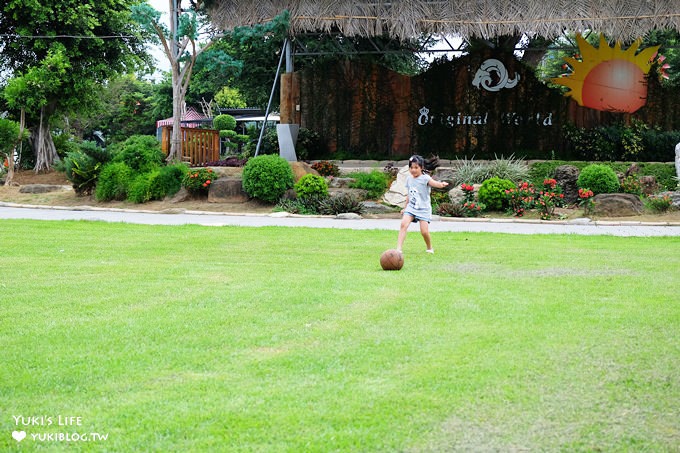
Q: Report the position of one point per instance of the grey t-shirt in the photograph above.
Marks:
(419, 197)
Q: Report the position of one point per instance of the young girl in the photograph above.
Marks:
(418, 205)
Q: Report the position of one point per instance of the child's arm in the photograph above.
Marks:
(437, 184)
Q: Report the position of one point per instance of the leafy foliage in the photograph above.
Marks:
(374, 182)
(598, 178)
(326, 168)
(82, 166)
(341, 203)
(114, 181)
(224, 123)
(142, 153)
(197, 181)
(492, 193)
(311, 185)
(267, 177)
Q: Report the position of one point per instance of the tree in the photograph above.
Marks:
(11, 134)
(181, 46)
(57, 52)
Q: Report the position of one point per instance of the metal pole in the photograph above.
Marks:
(271, 96)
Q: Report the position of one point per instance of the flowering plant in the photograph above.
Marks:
(586, 200)
(198, 181)
(472, 209)
(326, 168)
(521, 198)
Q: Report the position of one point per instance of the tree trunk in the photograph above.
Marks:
(9, 180)
(175, 153)
(45, 151)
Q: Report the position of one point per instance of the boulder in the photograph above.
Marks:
(336, 182)
(371, 207)
(566, 177)
(300, 169)
(182, 195)
(227, 190)
(396, 195)
(456, 195)
(444, 174)
(360, 194)
(649, 185)
(675, 198)
(42, 188)
(617, 205)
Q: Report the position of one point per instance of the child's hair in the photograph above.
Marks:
(428, 165)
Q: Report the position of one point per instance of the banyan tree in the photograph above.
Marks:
(389, 114)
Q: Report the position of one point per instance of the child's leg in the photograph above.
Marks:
(425, 231)
(405, 222)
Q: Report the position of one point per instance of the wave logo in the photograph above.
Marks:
(493, 76)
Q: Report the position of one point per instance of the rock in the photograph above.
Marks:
(42, 188)
(371, 207)
(617, 205)
(649, 185)
(633, 170)
(181, 196)
(227, 190)
(444, 174)
(456, 195)
(566, 177)
(675, 198)
(396, 195)
(348, 216)
(360, 194)
(335, 182)
(300, 169)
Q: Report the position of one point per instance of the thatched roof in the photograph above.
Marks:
(618, 19)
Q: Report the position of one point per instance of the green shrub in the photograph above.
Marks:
(451, 210)
(267, 177)
(492, 193)
(224, 123)
(659, 203)
(311, 185)
(598, 178)
(139, 190)
(226, 133)
(83, 165)
(631, 185)
(341, 203)
(664, 173)
(113, 182)
(142, 153)
(168, 181)
(374, 183)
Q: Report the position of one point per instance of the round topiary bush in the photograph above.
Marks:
(598, 178)
(224, 123)
(142, 153)
(492, 193)
(267, 177)
(311, 185)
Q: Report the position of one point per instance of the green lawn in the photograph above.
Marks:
(237, 339)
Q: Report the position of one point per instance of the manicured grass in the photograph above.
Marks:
(284, 339)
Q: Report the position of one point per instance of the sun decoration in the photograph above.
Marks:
(609, 79)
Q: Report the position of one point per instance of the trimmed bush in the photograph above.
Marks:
(113, 182)
(310, 185)
(598, 178)
(374, 183)
(267, 177)
(492, 193)
(224, 123)
(142, 153)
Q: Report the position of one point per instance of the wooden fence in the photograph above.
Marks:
(198, 145)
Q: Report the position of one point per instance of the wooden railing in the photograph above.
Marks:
(198, 145)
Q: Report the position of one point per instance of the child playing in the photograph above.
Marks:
(418, 205)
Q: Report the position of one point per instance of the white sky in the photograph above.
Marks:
(161, 61)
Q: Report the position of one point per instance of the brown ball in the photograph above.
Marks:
(392, 260)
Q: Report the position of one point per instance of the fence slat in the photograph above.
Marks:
(199, 145)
